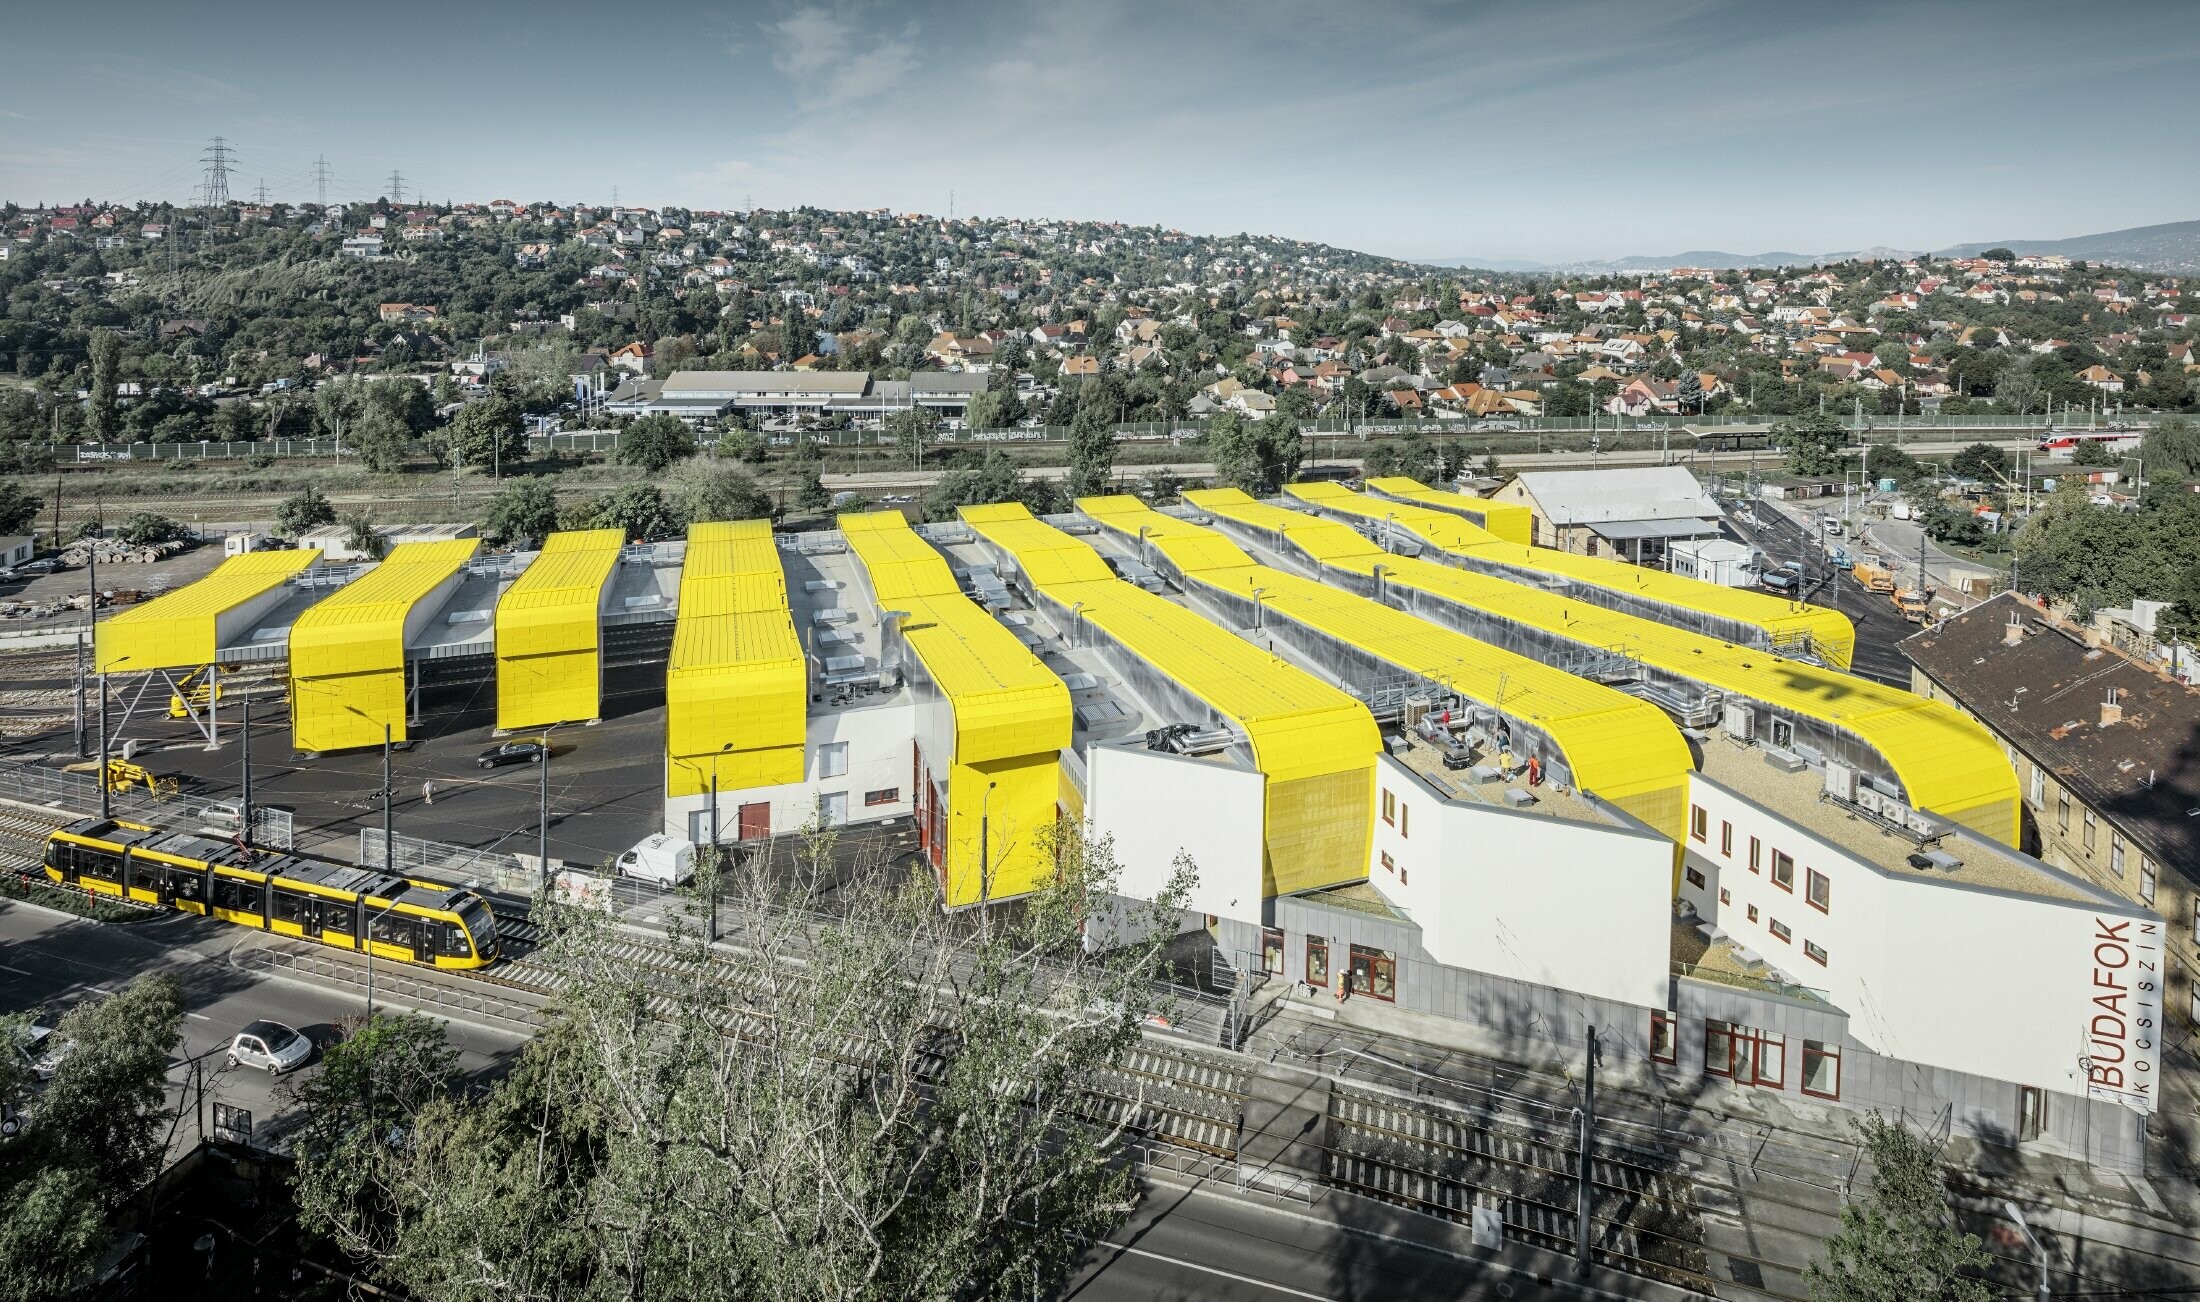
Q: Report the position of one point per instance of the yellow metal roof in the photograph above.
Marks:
(179, 630)
(1832, 636)
(1508, 521)
(347, 654)
(1006, 701)
(549, 629)
(1620, 748)
(736, 687)
(1011, 715)
(1315, 744)
(1946, 762)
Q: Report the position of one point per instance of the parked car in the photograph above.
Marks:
(270, 1046)
(40, 566)
(529, 751)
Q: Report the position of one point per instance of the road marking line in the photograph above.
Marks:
(18, 971)
(1214, 1270)
(198, 1017)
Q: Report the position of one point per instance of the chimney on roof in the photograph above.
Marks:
(2014, 632)
(2111, 710)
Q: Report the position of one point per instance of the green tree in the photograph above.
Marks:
(105, 418)
(984, 411)
(1258, 456)
(1900, 1243)
(703, 491)
(144, 528)
(994, 479)
(1091, 451)
(524, 513)
(2171, 450)
(304, 511)
(1981, 461)
(18, 508)
(1813, 441)
(638, 509)
(361, 535)
(637, 1150)
(655, 442)
(912, 430)
(491, 432)
(381, 438)
(357, 1111)
(2093, 454)
(106, 1109)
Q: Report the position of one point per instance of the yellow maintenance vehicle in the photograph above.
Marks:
(194, 695)
(123, 774)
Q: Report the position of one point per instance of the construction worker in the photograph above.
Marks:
(427, 792)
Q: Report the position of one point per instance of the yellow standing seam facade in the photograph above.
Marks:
(1507, 521)
(1621, 749)
(1945, 761)
(737, 688)
(1434, 520)
(1315, 745)
(179, 630)
(549, 632)
(347, 654)
(1011, 715)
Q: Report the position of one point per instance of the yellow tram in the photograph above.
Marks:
(337, 904)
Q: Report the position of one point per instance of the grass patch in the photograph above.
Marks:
(83, 904)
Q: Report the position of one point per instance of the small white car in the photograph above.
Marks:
(42, 1050)
(270, 1046)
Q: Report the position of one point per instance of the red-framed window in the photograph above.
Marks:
(1699, 823)
(1317, 962)
(1271, 951)
(1725, 896)
(1374, 972)
(1696, 878)
(1756, 853)
(1726, 839)
(1390, 807)
(1752, 913)
(1783, 871)
(1664, 1039)
(1718, 1048)
(1815, 952)
(1818, 889)
(1765, 1060)
(1781, 933)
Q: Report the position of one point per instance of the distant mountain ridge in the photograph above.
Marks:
(2170, 246)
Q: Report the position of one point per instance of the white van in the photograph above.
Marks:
(664, 860)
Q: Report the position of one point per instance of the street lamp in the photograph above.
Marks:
(542, 808)
(2039, 1249)
(985, 847)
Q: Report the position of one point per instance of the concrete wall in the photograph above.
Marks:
(1528, 896)
(1932, 970)
(1156, 806)
(878, 740)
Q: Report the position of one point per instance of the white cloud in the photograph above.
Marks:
(816, 49)
(808, 39)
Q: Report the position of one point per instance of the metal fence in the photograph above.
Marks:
(482, 870)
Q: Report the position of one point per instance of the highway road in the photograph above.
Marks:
(51, 962)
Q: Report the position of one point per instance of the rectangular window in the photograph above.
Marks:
(1821, 1069)
(1374, 973)
(2085, 833)
(1815, 952)
(1696, 879)
(1664, 1046)
(2196, 919)
(394, 928)
(2195, 1010)
(1769, 1061)
(1752, 913)
(2031, 1111)
(2062, 811)
(1317, 962)
(883, 796)
(1819, 891)
(1781, 933)
(1725, 896)
(1726, 838)
(832, 759)
(1271, 951)
(1699, 823)
(1756, 853)
(2146, 881)
(2039, 786)
(1389, 865)
(1783, 871)
(2116, 853)
(1390, 807)
(1405, 821)
(1718, 1049)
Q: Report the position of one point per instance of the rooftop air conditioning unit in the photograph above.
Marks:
(1925, 825)
(1841, 782)
(1785, 760)
(1740, 722)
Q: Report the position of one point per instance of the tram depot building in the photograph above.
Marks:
(1416, 759)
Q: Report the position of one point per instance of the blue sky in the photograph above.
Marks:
(1547, 130)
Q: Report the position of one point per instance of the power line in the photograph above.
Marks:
(397, 186)
(217, 158)
(320, 179)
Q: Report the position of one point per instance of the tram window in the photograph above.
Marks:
(395, 928)
(295, 907)
(188, 885)
(241, 896)
(98, 864)
(450, 939)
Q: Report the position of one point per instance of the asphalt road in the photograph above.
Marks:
(605, 780)
(51, 963)
(1878, 625)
